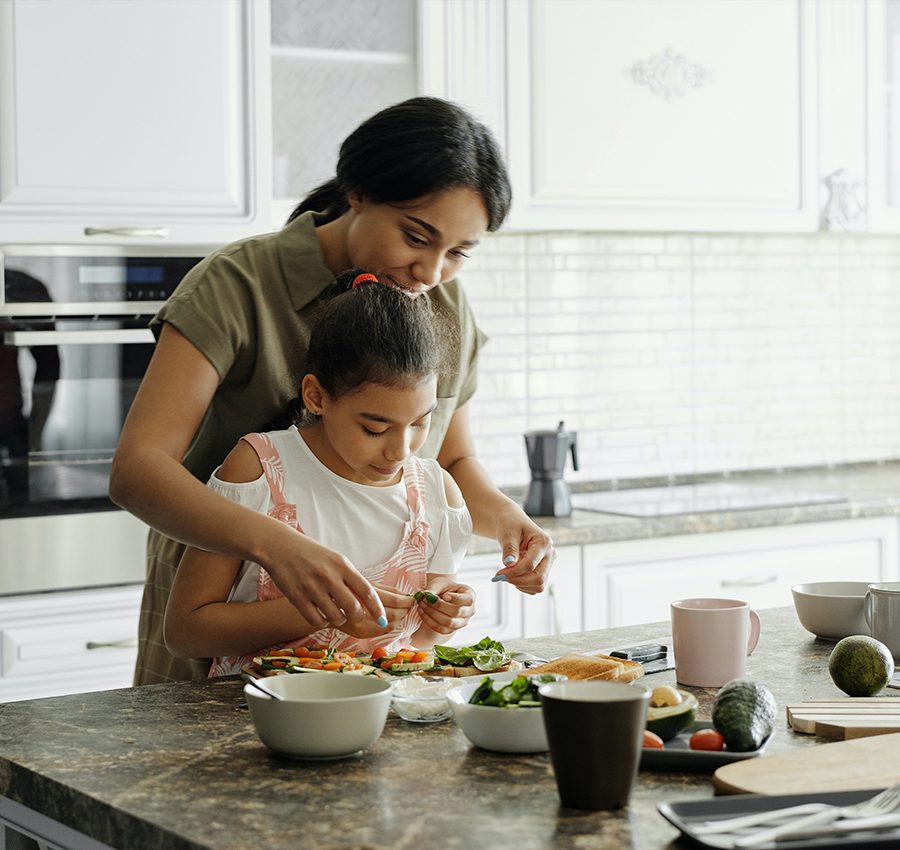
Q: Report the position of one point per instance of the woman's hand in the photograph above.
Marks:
(454, 608)
(528, 552)
(320, 583)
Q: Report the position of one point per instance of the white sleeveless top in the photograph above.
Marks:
(363, 522)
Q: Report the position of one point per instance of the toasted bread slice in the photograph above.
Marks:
(586, 667)
(630, 671)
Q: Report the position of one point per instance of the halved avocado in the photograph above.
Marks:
(668, 720)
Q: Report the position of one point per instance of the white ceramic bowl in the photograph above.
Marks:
(321, 716)
(504, 730)
(831, 609)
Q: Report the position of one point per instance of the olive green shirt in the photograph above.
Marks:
(248, 308)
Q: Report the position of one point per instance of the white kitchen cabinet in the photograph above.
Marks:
(498, 606)
(503, 612)
(640, 114)
(138, 121)
(68, 642)
(635, 581)
(558, 609)
(333, 65)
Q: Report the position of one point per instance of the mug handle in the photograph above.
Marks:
(867, 609)
(754, 632)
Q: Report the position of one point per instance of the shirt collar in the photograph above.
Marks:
(302, 262)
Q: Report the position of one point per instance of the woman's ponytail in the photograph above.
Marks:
(412, 149)
(327, 198)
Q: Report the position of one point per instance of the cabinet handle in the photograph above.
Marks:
(157, 232)
(554, 607)
(749, 582)
(125, 643)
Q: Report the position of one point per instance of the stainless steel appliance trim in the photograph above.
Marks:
(67, 551)
(38, 250)
(84, 308)
(98, 337)
(137, 232)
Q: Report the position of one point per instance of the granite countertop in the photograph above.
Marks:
(180, 766)
(870, 490)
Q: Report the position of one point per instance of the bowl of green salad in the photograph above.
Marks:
(502, 711)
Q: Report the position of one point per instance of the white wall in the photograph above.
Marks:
(681, 354)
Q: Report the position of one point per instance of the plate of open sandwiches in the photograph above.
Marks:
(487, 656)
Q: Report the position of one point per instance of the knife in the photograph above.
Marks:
(655, 656)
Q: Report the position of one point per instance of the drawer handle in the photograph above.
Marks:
(749, 582)
(554, 607)
(126, 643)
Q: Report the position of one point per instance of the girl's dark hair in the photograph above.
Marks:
(370, 333)
(414, 148)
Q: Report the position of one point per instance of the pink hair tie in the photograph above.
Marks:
(363, 278)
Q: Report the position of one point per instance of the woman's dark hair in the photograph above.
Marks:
(370, 333)
(414, 148)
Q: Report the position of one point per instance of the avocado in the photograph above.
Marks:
(668, 720)
(744, 714)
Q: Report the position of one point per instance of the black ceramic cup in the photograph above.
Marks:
(595, 730)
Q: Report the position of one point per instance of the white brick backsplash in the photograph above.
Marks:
(685, 354)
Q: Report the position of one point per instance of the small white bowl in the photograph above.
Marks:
(420, 700)
(320, 717)
(504, 730)
(831, 609)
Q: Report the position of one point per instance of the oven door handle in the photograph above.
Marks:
(117, 336)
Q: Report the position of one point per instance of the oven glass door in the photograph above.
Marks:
(65, 389)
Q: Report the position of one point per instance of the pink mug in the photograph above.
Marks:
(711, 640)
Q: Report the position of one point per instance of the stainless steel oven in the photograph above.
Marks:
(74, 345)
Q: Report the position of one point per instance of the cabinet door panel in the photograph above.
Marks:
(127, 112)
(646, 113)
(498, 606)
(635, 582)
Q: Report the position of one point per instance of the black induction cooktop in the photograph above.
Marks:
(705, 497)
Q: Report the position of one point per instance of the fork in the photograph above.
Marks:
(884, 803)
(871, 806)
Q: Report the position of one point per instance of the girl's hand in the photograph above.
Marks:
(396, 606)
(528, 552)
(454, 608)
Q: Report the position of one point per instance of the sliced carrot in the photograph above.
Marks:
(312, 663)
(317, 653)
(279, 663)
(332, 665)
(281, 652)
(301, 651)
(419, 657)
(405, 654)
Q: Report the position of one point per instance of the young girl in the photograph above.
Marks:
(347, 477)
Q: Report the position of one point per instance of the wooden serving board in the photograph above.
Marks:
(844, 719)
(859, 765)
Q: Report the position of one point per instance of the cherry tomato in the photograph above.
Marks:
(707, 739)
(380, 652)
(652, 741)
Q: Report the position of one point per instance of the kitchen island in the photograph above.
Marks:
(179, 766)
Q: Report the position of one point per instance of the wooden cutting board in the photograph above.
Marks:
(858, 765)
(847, 718)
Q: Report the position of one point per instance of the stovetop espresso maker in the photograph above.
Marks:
(548, 494)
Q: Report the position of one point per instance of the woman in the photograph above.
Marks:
(417, 186)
